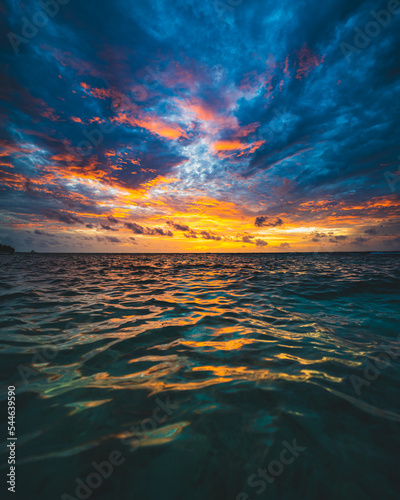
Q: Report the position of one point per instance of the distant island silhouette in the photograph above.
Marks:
(6, 249)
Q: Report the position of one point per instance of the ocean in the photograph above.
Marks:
(202, 376)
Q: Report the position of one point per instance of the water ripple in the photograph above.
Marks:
(252, 350)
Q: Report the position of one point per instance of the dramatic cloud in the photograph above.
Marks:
(112, 219)
(338, 238)
(110, 239)
(195, 120)
(65, 217)
(360, 240)
(178, 227)
(208, 235)
(43, 233)
(155, 231)
(108, 228)
(265, 221)
(135, 227)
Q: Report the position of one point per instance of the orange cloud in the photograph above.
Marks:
(307, 61)
(153, 124)
(228, 145)
(223, 147)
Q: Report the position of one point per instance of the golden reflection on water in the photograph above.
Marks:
(324, 359)
(228, 345)
(251, 350)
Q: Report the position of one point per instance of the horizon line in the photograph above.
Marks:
(32, 252)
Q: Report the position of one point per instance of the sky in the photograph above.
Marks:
(200, 126)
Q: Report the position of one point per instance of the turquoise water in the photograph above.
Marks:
(219, 377)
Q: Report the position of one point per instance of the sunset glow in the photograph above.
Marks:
(147, 141)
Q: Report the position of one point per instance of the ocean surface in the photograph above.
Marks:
(202, 377)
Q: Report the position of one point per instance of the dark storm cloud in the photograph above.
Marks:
(156, 231)
(265, 221)
(178, 227)
(334, 107)
(107, 227)
(109, 239)
(63, 119)
(191, 234)
(43, 233)
(136, 228)
(65, 217)
(249, 238)
(359, 240)
(208, 235)
(338, 238)
(112, 219)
